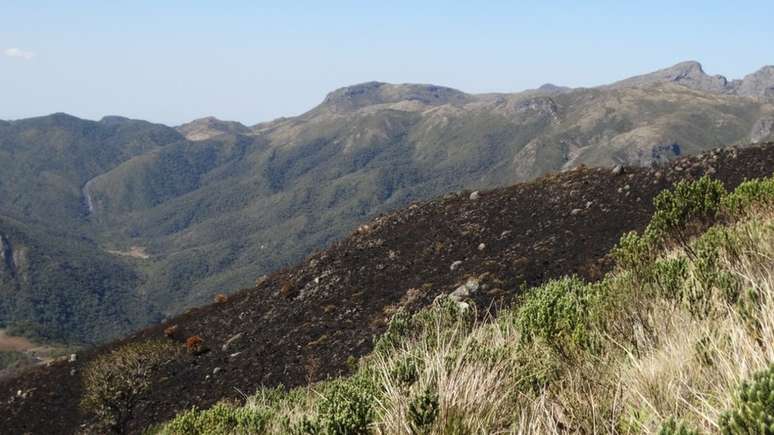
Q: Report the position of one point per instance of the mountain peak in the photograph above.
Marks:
(209, 127)
(760, 83)
(689, 74)
(372, 93)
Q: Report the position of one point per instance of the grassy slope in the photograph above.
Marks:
(666, 339)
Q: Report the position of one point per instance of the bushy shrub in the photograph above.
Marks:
(669, 276)
(444, 318)
(676, 427)
(221, 419)
(397, 330)
(690, 203)
(347, 406)
(195, 344)
(558, 312)
(749, 195)
(753, 409)
(706, 257)
(635, 252)
(423, 411)
(113, 384)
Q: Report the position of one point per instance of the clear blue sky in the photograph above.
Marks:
(172, 61)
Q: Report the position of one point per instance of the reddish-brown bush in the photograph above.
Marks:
(194, 344)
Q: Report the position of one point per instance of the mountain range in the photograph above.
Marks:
(107, 226)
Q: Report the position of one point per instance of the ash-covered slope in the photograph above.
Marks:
(302, 324)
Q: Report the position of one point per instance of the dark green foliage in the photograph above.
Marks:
(221, 419)
(635, 252)
(423, 411)
(669, 276)
(397, 330)
(558, 313)
(676, 427)
(753, 409)
(707, 253)
(347, 406)
(406, 370)
(689, 203)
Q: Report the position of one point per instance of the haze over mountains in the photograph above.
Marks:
(107, 226)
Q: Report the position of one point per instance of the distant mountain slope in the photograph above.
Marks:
(216, 204)
(303, 323)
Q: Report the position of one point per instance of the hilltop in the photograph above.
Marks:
(303, 324)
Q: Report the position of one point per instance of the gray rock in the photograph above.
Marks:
(762, 130)
(73, 358)
(575, 211)
(231, 341)
(475, 195)
(216, 370)
(618, 170)
(481, 246)
(455, 265)
(465, 290)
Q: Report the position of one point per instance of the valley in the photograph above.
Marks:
(219, 204)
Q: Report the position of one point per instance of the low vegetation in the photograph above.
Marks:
(676, 340)
(114, 383)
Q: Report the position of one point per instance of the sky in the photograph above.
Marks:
(172, 61)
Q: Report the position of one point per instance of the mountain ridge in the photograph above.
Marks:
(216, 212)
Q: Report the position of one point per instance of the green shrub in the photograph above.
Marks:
(675, 427)
(398, 328)
(221, 419)
(423, 411)
(558, 312)
(347, 406)
(749, 195)
(406, 370)
(635, 252)
(753, 409)
(669, 277)
(444, 319)
(113, 384)
(707, 252)
(690, 203)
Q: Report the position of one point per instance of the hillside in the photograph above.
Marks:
(303, 324)
(215, 204)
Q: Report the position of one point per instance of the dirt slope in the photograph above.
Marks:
(302, 324)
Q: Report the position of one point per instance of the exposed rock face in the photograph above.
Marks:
(691, 74)
(762, 130)
(757, 84)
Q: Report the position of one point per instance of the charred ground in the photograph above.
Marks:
(303, 324)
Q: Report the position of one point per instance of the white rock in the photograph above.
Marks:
(474, 195)
(455, 265)
(481, 247)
